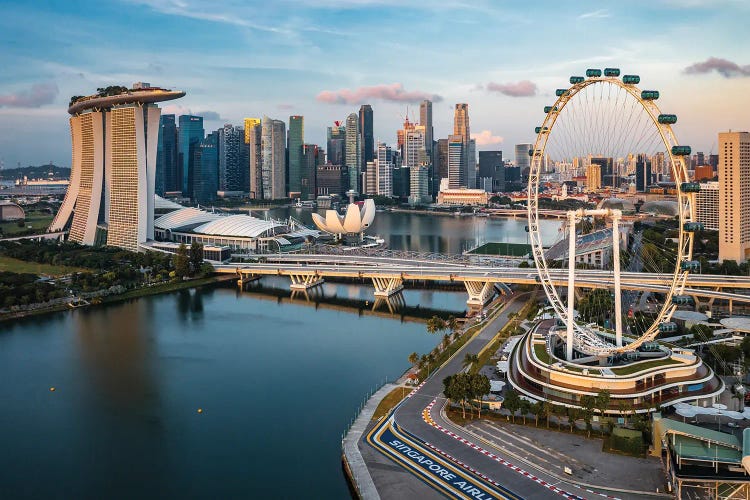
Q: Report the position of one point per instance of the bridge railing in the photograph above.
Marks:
(459, 259)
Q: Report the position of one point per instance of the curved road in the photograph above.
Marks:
(409, 416)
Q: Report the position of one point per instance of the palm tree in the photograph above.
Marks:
(413, 358)
(446, 340)
(452, 324)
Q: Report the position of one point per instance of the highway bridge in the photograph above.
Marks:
(388, 274)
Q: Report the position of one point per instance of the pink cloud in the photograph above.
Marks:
(485, 138)
(38, 95)
(393, 92)
(725, 68)
(524, 88)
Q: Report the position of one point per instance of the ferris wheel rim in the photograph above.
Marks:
(686, 209)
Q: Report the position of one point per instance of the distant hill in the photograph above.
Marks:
(39, 172)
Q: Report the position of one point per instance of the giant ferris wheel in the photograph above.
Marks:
(605, 128)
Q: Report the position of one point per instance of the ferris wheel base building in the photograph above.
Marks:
(641, 381)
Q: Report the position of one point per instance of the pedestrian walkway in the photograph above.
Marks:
(360, 475)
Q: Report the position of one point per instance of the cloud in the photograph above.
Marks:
(209, 115)
(38, 95)
(176, 109)
(524, 88)
(393, 92)
(725, 68)
(485, 138)
(595, 14)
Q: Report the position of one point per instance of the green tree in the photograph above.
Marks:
(602, 404)
(512, 403)
(572, 414)
(435, 324)
(525, 408)
(702, 333)
(537, 409)
(588, 403)
(413, 358)
(196, 257)
(457, 388)
(480, 387)
(181, 262)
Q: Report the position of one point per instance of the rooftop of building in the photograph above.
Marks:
(115, 95)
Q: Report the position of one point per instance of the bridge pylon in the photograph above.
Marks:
(480, 292)
(305, 281)
(385, 287)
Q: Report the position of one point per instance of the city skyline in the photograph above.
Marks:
(232, 67)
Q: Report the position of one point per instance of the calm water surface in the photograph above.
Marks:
(278, 382)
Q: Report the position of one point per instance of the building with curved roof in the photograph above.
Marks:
(355, 222)
(661, 207)
(240, 233)
(11, 211)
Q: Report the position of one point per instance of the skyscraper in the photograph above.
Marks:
(471, 164)
(353, 152)
(384, 175)
(190, 133)
(734, 196)
(413, 150)
(311, 158)
(491, 167)
(336, 145)
(456, 162)
(205, 163)
(461, 122)
(425, 119)
(253, 140)
(167, 156)
(442, 164)
(366, 137)
(295, 141)
(273, 163)
(523, 160)
(232, 161)
(113, 164)
(461, 129)
(642, 173)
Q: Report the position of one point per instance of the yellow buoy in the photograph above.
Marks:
(51, 389)
(200, 410)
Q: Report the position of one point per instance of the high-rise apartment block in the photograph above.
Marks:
(253, 140)
(734, 196)
(233, 159)
(114, 138)
(419, 185)
(384, 166)
(707, 205)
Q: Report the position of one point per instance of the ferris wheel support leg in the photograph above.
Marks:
(571, 283)
(618, 294)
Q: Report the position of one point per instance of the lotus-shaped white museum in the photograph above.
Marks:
(354, 222)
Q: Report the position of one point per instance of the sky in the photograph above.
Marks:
(323, 58)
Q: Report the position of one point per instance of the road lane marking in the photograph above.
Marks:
(431, 468)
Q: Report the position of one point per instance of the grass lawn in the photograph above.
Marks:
(635, 368)
(505, 249)
(392, 399)
(38, 222)
(22, 266)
